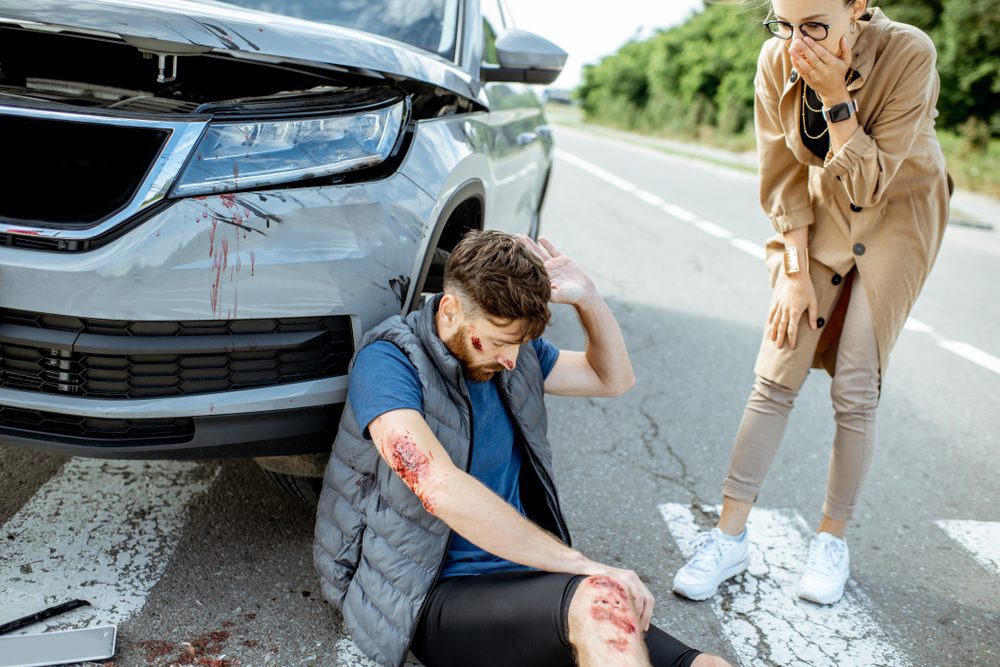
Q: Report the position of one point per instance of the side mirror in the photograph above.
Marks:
(524, 58)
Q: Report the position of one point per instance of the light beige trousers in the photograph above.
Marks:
(855, 394)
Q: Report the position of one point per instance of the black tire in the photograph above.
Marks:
(435, 276)
(304, 489)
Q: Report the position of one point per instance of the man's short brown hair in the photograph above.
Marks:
(496, 276)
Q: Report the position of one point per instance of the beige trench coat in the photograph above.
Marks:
(879, 204)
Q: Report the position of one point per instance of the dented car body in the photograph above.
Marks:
(209, 204)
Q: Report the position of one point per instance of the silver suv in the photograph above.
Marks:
(204, 206)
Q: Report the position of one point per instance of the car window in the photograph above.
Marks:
(493, 25)
(427, 24)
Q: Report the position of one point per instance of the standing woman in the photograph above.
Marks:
(854, 181)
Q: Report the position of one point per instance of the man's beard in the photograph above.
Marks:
(459, 346)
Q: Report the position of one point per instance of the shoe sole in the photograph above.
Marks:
(806, 595)
(728, 574)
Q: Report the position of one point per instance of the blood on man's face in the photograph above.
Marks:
(485, 348)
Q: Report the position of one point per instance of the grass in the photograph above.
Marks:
(976, 170)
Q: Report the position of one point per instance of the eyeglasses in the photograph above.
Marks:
(812, 29)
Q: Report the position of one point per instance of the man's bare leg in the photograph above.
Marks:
(710, 660)
(603, 626)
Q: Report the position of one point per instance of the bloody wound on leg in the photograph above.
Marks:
(611, 606)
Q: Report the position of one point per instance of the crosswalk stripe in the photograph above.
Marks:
(349, 655)
(98, 530)
(761, 616)
(980, 538)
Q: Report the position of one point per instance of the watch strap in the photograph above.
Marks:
(840, 112)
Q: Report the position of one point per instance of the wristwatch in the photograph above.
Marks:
(792, 260)
(839, 112)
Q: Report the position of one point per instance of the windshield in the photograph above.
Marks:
(427, 24)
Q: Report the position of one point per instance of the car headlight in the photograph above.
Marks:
(243, 154)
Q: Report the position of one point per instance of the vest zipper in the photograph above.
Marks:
(451, 533)
(550, 495)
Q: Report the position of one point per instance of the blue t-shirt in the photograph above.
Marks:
(383, 379)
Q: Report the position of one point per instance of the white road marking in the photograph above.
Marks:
(964, 350)
(916, 326)
(679, 213)
(973, 354)
(762, 618)
(980, 538)
(99, 530)
(649, 198)
(352, 656)
(673, 158)
(713, 229)
(594, 170)
(749, 247)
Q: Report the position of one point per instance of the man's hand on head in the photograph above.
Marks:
(570, 284)
(604, 368)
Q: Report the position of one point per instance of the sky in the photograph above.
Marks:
(589, 30)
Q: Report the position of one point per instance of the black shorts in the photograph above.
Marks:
(513, 619)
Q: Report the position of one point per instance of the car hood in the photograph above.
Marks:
(241, 33)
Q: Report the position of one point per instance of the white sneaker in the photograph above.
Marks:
(716, 558)
(826, 570)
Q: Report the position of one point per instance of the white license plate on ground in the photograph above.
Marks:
(57, 648)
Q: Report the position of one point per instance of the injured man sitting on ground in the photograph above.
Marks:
(439, 529)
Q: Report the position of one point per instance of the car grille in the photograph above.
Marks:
(59, 157)
(115, 359)
(95, 430)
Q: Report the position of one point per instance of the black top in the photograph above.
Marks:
(812, 124)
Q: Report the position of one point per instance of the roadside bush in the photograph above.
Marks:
(700, 73)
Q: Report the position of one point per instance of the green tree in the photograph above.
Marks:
(925, 14)
(617, 86)
(969, 62)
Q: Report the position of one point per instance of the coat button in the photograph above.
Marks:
(836, 278)
(820, 322)
(856, 209)
(859, 249)
(794, 77)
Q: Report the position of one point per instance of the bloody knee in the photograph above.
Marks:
(607, 609)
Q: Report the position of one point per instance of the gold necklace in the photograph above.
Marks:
(805, 129)
(805, 105)
(805, 98)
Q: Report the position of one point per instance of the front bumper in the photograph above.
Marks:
(338, 251)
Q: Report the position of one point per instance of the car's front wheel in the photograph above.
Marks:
(299, 476)
(304, 489)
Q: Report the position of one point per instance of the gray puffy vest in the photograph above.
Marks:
(377, 551)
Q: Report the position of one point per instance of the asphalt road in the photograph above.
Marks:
(217, 564)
